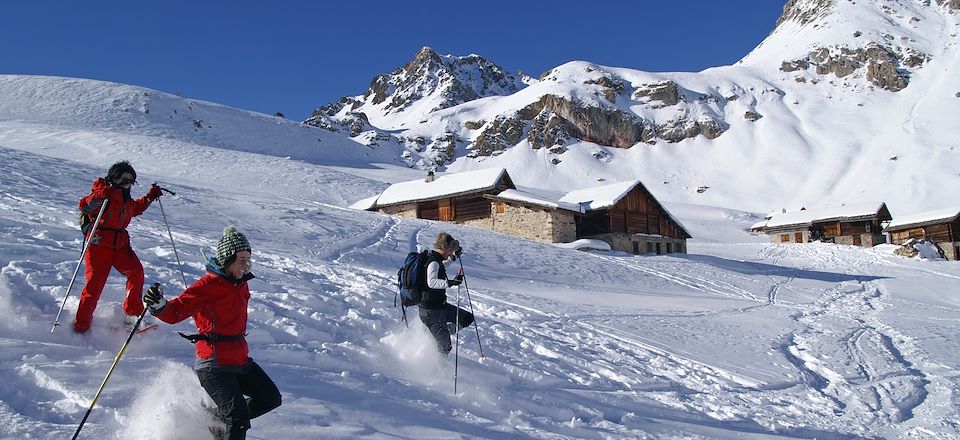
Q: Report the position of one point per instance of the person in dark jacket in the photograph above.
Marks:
(442, 318)
(218, 304)
(109, 246)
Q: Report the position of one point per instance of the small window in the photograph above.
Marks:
(784, 238)
(636, 247)
(866, 226)
(500, 207)
(669, 248)
(649, 247)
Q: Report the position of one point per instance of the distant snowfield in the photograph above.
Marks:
(739, 338)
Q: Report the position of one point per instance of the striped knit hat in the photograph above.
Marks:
(231, 242)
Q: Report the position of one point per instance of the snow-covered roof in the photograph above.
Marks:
(365, 204)
(760, 224)
(599, 197)
(446, 185)
(923, 218)
(537, 196)
(809, 216)
(605, 196)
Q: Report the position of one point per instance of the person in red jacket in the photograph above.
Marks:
(218, 304)
(110, 244)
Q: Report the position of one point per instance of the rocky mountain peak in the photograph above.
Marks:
(429, 82)
(424, 60)
(804, 11)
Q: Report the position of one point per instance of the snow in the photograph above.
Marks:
(739, 338)
(585, 244)
(441, 186)
(920, 218)
(822, 140)
(807, 216)
(599, 197)
(538, 196)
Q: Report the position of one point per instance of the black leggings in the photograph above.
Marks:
(436, 321)
(227, 390)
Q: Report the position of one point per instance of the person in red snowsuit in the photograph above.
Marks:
(218, 304)
(110, 244)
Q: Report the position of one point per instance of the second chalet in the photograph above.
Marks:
(858, 225)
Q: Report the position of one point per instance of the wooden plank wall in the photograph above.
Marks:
(429, 210)
(470, 208)
(638, 213)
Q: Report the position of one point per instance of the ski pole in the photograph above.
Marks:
(116, 361)
(456, 353)
(170, 234)
(83, 253)
(476, 324)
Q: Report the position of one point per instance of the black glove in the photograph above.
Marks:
(154, 299)
(456, 280)
(458, 252)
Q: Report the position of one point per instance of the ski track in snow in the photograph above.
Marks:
(323, 324)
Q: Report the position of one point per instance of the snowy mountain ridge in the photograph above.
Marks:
(859, 94)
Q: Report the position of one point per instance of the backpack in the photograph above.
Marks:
(86, 224)
(412, 278)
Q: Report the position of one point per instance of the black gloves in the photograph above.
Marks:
(154, 193)
(457, 280)
(456, 254)
(154, 299)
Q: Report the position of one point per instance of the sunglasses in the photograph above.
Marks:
(127, 182)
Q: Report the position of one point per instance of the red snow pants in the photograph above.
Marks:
(99, 260)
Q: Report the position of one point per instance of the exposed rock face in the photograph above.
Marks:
(446, 145)
(881, 64)
(353, 122)
(667, 92)
(553, 121)
(804, 11)
(500, 134)
(549, 129)
(680, 129)
(611, 87)
(752, 116)
(952, 4)
(455, 79)
(602, 126)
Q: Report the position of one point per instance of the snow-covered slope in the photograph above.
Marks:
(845, 101)
(738, 339)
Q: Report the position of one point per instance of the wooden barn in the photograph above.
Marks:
(625, 215)
(858, 225)
(454, 198)
(942, 227)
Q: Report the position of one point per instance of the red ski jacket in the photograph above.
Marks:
(112, 230)
(218, 306)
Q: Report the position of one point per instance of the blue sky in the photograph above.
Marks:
(294, 56)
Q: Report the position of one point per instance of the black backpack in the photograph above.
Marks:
(412, 280)
(86, 224)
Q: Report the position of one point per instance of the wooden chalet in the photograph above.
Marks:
(942, 227)
(451, 198)
(625, 215)
(858, 225)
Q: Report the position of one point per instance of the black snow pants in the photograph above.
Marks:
(227, 389)
(441, 322)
